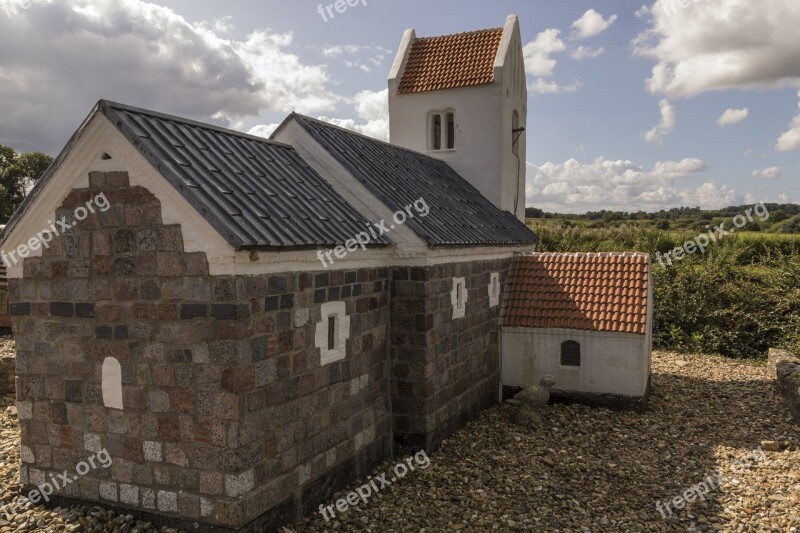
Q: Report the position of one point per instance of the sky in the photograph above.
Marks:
(632, 105)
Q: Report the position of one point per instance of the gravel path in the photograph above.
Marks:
(582, 470)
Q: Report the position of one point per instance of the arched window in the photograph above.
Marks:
(442, 130)
(112, 383)
(570, 353)
(450, 119)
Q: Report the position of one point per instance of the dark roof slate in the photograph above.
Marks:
(459, 214)
(258, 194)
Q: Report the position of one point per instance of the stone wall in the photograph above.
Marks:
(7, 369)
(228, 417)
(445, 370)
(784, 367)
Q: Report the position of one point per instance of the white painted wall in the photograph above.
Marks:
(483, 114)
(611, 363)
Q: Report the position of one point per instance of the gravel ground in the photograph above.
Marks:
(582, 470)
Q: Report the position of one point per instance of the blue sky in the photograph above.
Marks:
(246, 64)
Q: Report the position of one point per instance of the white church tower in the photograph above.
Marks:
(463, 98)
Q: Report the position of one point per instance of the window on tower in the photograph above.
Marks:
(451, 130)
(442, 128)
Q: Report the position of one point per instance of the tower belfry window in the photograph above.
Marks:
(442, 130)
(451, 130)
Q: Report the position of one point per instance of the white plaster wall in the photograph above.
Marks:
(611, 363)
(483, 153)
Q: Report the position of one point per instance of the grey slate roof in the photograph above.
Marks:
(258, 194)
(459, 214)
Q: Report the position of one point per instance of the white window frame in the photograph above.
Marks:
(458, 297)
(494, 289)
(338, 311)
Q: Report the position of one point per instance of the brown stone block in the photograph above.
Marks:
(237, 379)
(189, 505)
(234, 330)
(108, 312)
(134, 398)
(125, 289)
(170, 238)
(132, 449)
(163, 375)
(196, 264)
(168, 428)
(168, 311)
(182, 401)
(145, 264)
(145, 311)
(226, 406)
(212, 483)
(169, 264)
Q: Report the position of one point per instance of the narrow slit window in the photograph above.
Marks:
(570, 353)
(436, 132)
(458, 297)
(515, 137)
(331, 332)
(451, 131)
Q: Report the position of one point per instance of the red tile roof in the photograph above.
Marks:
(597, 292)
(451, 61)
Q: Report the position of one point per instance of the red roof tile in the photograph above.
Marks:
(451, 61)
(597, 292)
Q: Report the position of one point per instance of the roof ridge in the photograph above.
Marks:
(471, 32)
(104, 104)
(359, 134)
(589, 254)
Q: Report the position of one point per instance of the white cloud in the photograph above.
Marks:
(362, 56)
(732, 116)
(790, 140)
(669, 118)
(592, 24)
(542, 86)
(618, 185)
(59, 58)
(263, 130)
(584, 52)
(771, 173)
(372, 107)
(721, 44)
(537, 52)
